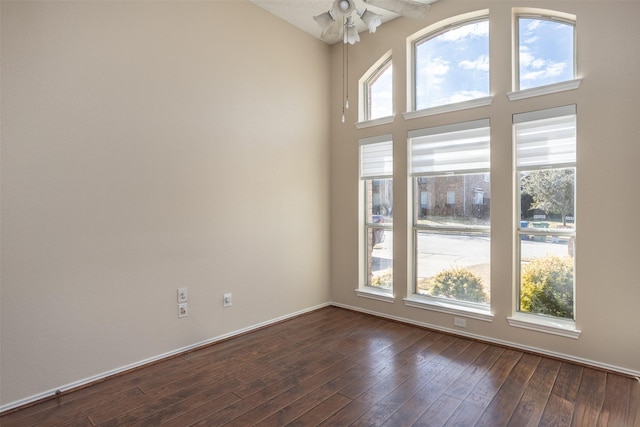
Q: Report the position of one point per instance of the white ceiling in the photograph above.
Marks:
(300, 13)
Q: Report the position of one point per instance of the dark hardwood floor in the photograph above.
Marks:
(341, 368)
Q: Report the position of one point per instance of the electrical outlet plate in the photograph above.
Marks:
(183, 310)
(459, 321)
(227, 300)
(182, 295)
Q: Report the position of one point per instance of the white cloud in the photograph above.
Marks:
(534, 24)
(528, 60)
(480, 63)
(555, 68)
(435, 69)
(543, 70)
(479, 29)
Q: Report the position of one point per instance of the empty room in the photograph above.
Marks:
(305, 212)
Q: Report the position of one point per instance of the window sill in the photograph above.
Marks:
(465, 105)
(427, 303)
(545, 90)
(376, 122)
(377, 294)
(564, 328)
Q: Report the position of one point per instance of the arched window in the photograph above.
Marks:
(452, 64)
(545, 50)
(376, 90)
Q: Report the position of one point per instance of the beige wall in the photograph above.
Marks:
(148, 146)
(608, 285)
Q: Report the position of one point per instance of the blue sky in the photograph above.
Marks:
(453, 66)
(546, 52)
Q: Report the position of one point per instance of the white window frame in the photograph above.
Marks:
(532, 321)
(456, 307)
(364, 120)
(382, 168)
(432, 31)
(563, 86)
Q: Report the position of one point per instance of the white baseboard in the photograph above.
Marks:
(527, 348)
(105, 375)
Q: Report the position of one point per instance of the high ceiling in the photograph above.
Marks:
(300, 13)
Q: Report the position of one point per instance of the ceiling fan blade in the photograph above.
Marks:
(408, 8)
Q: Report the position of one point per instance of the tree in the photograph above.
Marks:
(547, 286)
(458, 283)
(552, 190)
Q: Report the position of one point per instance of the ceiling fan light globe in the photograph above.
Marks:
(324, 20)
(372, 20)
(351, 35)
(343, 7)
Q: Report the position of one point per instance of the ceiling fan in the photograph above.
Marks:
(339, 17)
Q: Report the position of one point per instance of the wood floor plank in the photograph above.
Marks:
(295, 409)
(245, 405)
(73, 401)
(337, 367)
(439, 412)
(148, 406)
(413, 408)
(633, 412)
(346, 415)
(560, 406)
(296, 392)
(475, 372)
(434, 386)
(467, 414)
(118, 400)
(489, 385)
(213, 398)
(395, 362)
(423, 371)
(505, 401)
(533, 401)
(590, 398)
(201, 412)
(321, 412)
(616, 402)
(393, 401)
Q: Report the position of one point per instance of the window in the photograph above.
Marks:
(546, 50)
(451, 65)
(376, 173)
(451, 235)
(378, 92)
(545, 146)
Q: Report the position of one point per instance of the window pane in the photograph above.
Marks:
(379, 203)
(548, 194)
(546, 52)
(547, 230)
(547, 275)
(379, 90)
(380, 262)
(452, 66)
(453, 265)
(453, 200)
(379, 234)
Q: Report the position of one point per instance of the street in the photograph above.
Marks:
(437, 252)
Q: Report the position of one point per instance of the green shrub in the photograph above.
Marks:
(547, 286)
(457, 283)
(383, 280)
